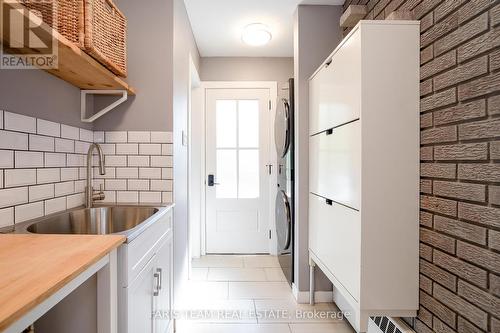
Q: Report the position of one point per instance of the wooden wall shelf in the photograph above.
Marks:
(74, 65)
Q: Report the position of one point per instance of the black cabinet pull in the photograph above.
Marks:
(329, 202)
(329, 132)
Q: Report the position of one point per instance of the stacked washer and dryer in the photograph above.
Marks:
(284, 205)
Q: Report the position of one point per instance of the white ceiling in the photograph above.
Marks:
(217, 25)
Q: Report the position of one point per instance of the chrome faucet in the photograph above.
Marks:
(90, 194)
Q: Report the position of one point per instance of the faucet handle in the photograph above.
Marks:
(99, 195)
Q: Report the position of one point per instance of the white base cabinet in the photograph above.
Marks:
(364, 170)
(145, 280)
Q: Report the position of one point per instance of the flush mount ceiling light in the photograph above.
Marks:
(256, 34)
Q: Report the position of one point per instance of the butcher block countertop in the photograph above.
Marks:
(33, 267)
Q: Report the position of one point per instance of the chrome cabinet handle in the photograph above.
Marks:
(156, 277)
(160, 277)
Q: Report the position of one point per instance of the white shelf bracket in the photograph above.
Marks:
(83, 95)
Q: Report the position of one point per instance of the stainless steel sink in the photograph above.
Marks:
(93, 221)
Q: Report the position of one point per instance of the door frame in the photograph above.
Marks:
(273, 89)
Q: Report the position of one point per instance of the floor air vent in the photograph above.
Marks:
(387, 325)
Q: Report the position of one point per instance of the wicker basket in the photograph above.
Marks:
(96, 26)
(105, 35)
(68, 14)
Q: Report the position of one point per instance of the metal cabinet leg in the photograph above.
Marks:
(312, 266)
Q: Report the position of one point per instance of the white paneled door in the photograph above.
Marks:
(237, 172)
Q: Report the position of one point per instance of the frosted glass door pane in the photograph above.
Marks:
(225, 127)
(226, 174)
(249, 173)
(248, 113)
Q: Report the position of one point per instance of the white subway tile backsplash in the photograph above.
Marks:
(134, 136)
(150, 197)
(42, 167)
(167, 173)
(65, 146)
(82, 147)
(49, 128)
(86, 135)
(150, 149)
(6, 217)
(161, 161)
(41, 192)
(138, 185)
(19, 177)
(70, 132)
(55, 160)
(127, 149)
(150, 173)
(13, 140)
(64, 188)
(161, 185)
(115, 185)
(138, 161)
(75, 200)
(6, 159)
(80, 186)
(166, 197)
(99, 137)
(13, 196)
(55, 205)
(109, 197)
(115, 161)
(41, 143)
(127, 173)
(75, 160)
(116, 137)
(167, 149)
(127, 197)
(69, 174)
(28, 212)
(108, 148)
(19, 123)
(28, 159)
(161, 137)
(44, 176)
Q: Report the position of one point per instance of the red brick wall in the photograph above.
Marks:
(460, 168)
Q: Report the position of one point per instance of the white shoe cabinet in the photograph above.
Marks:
(364, 170)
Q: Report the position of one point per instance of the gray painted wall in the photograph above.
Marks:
(38, 94)
(316, 34)
(184, 48)
(150, 60)
(246, 69)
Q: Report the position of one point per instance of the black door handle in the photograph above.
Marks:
(211, 180)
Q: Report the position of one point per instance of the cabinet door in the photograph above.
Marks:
(163, 267)
(335, 238)
(335, 165)
(140, 300)
(335, 91)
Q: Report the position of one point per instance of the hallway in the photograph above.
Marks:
(248, 294)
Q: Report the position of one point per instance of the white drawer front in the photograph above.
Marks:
(335, 238)
(141, 249)
(335, 91)
(335, 165)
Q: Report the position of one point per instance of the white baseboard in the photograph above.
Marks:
(302, 297)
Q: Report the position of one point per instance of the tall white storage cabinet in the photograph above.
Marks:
(364, 170)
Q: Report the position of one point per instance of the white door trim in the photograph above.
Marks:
(273, 88)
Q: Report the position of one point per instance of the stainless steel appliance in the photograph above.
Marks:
(284, 205)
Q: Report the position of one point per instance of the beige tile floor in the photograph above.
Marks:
(249, 294)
